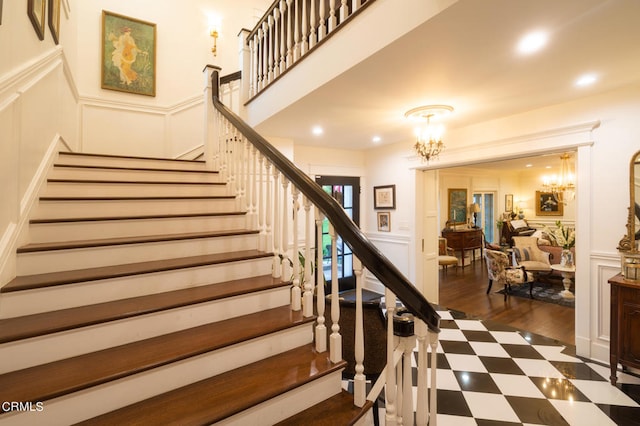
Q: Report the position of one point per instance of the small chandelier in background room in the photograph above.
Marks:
(562, 186)
(428, 136)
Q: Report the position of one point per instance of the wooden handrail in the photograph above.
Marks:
(368, 254)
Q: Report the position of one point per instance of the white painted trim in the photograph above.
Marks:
(118, 105)
(25, 72)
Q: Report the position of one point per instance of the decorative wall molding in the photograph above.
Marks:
(119, 105)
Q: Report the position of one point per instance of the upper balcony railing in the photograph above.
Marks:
(289, 30)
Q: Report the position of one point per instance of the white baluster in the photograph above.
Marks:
(321, 329)
(399, 390)
(433, 397)
(276, 42)
(262, 226)
(253, 216)
(246, 183)
(289, 34)
(252, 66)
(278, 256)
(268, 209)
(296, 293)
(344, 11)
(335, 340)
(359, 379)
(422, 404)
(307, 300)
(322, 28)
(283, 35)
(304, 45)
(271, 49)
(390, 388)
(296, 31)
(312, 25)
(265, 54)
(332, 16)
(284, 230)
(407, 385)
(355, 5)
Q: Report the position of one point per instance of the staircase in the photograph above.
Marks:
(143, 298)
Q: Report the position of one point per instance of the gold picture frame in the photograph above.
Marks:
(54, 20)
(36, 13)
(128, 54)
(548, 205)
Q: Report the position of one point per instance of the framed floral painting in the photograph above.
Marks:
(128, 54)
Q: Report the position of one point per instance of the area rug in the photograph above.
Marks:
(544, 292)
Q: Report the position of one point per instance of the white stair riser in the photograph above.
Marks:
(286, 405)
(39, 350)
(90, 230)
(113, 395)
(92, 160)
(67, 260)
(118, 208)
(82, 189)
(141, 175)
(46, 299)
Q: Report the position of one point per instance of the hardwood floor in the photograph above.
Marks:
(465, 290)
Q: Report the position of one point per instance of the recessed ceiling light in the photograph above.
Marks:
(376, 139)
(548, 167)
(586, 80)
(528, 165)
(532, 42)
(317, 130)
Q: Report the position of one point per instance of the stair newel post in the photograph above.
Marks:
(289, 34)
(407, 379)
(268, 209)
(321, 328)
(212, 121)
(322, 28)
(307, 300)
(296, 291)
(422, 403)
(335, 340)
(359, 380)
(390, 387)
(399, 389)
(278, 256)
(284, 231)
(332, 16)
(245, 67)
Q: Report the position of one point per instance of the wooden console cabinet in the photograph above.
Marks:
(625, 325)
(467, 239)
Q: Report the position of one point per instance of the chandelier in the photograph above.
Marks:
(562, 186)
(429, 136)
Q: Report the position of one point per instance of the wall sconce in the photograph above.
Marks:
(214, 34)
(214, 30)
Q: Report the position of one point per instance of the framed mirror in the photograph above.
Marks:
(631, 240)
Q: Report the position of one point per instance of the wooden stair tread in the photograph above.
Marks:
(136, 182)
(27, 282)
(337, 410)
(12, 329)
(127, 157)
(123, 168)
(65, 245)
(139, 217)
(59, 378)
(229, 393)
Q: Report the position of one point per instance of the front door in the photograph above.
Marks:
(346, 190)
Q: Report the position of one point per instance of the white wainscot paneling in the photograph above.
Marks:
(118, 131)
(603, 267)
(186, 129)
(396, 248)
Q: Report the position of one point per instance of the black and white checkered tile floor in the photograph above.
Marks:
(491, 374)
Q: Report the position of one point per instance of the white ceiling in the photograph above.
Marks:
(466, 57)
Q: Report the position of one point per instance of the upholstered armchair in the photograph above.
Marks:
(499, 270)
(446, 255)
(528, 255)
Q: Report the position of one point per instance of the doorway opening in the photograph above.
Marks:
(346, 190)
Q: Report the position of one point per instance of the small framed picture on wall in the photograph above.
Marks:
(384, 221)
(548, 205)
(384, 197)
(508, 203)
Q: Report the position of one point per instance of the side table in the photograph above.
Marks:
(567, 272)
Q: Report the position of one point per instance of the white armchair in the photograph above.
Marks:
(527, 255)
